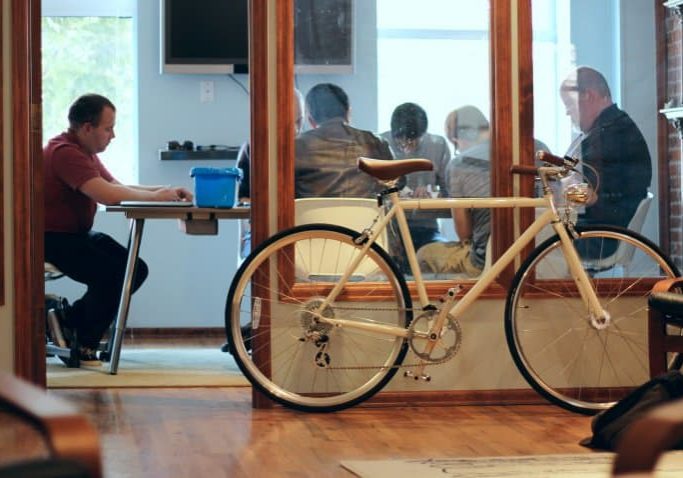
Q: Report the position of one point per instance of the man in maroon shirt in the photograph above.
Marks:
(75, 181)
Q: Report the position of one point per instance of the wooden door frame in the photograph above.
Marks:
(27, 192)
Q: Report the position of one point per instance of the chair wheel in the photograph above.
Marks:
(225, 348)
(104, 356)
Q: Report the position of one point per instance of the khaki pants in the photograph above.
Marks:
(447, 257)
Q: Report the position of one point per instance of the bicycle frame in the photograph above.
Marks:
(399, 206)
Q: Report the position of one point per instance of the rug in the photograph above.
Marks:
(588, 465)
(153, 367)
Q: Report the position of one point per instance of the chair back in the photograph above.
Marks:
(354, 213)
(624, 253)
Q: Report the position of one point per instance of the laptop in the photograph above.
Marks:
(157, 203)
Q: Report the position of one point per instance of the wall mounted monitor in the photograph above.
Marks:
(204, 36)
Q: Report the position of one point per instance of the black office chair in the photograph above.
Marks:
(56, 344)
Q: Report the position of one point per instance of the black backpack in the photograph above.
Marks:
(608, 425)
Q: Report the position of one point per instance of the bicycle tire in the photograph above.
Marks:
(275, 339)
(565, 356)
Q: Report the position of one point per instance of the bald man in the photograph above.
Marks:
(610, 144)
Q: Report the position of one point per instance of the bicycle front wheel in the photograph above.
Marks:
(276, 327)
(569, 357)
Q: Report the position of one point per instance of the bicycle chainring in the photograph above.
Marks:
(448, 342)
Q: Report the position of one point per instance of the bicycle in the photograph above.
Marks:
(320, 318)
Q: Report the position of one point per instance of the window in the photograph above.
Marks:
(89, 47)
(434, 53)
(616, 124)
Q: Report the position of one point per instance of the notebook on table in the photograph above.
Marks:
(157, 203)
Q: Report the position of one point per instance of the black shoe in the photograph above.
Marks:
(88, 357)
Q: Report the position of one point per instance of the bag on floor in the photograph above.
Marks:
(608, 425)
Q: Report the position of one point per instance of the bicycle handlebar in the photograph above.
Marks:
(530, 170)
(566, 161)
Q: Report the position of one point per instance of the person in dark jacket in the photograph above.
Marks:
(616, 161)
(327, 155)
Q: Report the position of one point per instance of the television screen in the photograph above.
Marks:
(323, 36)
(204, 36)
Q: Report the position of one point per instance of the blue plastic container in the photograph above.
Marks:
(215, 187)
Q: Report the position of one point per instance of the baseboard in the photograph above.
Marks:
(441, 398)
(179, 332)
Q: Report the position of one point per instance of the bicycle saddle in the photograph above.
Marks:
(387, 170)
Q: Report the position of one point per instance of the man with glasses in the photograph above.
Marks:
(611, 148)
(409, 138)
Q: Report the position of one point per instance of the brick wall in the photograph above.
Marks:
(674, 87)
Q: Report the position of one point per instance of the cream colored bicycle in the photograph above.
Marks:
(319, 317)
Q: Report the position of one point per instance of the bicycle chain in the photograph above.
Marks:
(403, 365)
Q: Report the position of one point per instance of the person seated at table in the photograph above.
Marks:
(468, 175)
(326, 156)
(408, 138)
(75, 181)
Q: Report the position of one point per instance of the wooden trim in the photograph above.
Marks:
(501, 137)
(526, 109)
(141, 333)
(2, 173)
(259, 126)
(260, 134)
(285, 112)
(663, 178)
(29, 342)
(440, 398)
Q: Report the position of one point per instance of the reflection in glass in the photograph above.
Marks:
(435, 55)
(596, 104)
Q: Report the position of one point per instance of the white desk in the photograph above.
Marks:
(193, 220)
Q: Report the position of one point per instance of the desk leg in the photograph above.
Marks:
(114, 348)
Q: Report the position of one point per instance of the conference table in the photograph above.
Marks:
(193, 220)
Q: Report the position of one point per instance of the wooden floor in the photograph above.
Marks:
(215, 433)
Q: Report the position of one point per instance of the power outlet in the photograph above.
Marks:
(206, 91)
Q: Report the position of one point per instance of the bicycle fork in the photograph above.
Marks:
(599, 317)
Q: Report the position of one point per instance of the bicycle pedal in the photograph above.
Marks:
(422, 376)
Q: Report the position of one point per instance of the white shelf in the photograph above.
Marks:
(676, 6)
(675, 116)
(673, 113)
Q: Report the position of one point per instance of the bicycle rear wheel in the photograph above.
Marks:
(569, 358)
(273, 310)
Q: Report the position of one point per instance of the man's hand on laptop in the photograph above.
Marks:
(173, 194)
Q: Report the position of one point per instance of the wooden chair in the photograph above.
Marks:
(647, 438)
(665, 319)
(67, 443)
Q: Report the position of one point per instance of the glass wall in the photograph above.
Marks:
(595, 99)
(420, 88)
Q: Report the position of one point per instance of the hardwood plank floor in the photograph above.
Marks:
(215, 433)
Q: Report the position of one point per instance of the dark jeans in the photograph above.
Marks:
(99, 262)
